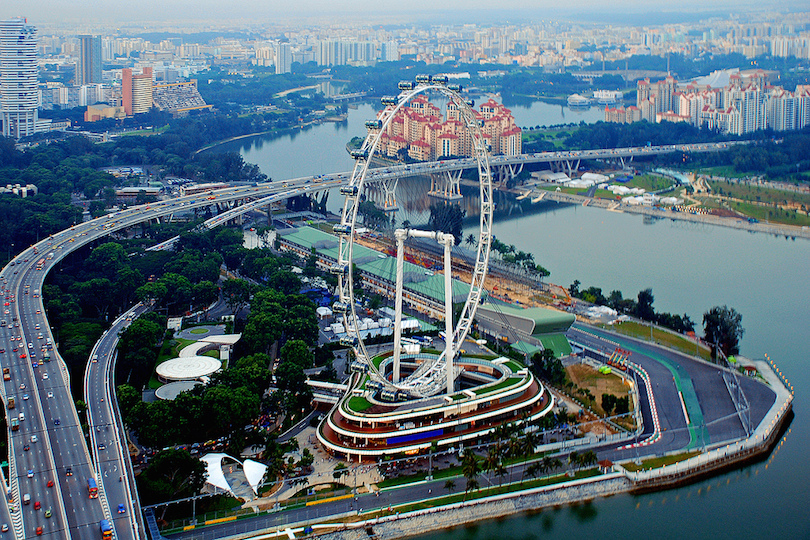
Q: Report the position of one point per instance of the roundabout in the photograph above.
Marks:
(406, 400)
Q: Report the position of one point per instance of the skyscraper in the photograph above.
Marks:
(18, 78)
(88, 70)
(283, 58)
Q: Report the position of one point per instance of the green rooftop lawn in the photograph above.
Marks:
(509, 381)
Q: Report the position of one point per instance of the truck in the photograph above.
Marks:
(106, 528)
(27, 498)
(6, 374)
(15, 424)
(11, 403)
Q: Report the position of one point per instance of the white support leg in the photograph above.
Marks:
(400, 235)
(448, 240)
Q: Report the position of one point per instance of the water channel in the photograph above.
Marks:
(690, 269)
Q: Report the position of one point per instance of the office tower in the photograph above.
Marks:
(136, 91)
(18, 78)
(88, 70)
(283, 58)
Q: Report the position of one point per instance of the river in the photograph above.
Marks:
(690, 269)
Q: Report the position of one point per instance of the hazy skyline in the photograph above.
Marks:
(251, 12)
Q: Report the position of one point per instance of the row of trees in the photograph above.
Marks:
(642, 308)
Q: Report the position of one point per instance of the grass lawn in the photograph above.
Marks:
(651, 182)
(674, 341)
(199, 331)
(654, 463)
(771, 214)
(757, 193)
(359, 403)
(588, 378)
(509, 381)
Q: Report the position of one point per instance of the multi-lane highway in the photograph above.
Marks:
(49, 442)
(108, 441)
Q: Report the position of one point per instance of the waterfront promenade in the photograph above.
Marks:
(664, 213)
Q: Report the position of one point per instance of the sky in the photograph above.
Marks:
(336, 11)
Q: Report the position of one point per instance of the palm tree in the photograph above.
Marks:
(588, 459)
(493, 458)
(450, 485)
(471, 241)
(573, 460)
(532, 470)
(529, 444)
(470, 468)
(500, 472)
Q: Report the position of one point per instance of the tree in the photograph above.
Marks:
(722, 327)
(296, 351)
(573, 289)
(470, 468)
(644, 306)
(172, 474)
(340, 471)
(449, 485)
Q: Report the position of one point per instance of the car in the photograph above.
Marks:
(34, 438)
(121, 509)
(25, 397)
(50, 483)
(38, 529)
(30, 473)
(30, 345)
(57, 422)
(50, 395)
(23, 355)
(26, 447)
(4, 528)
(68, 471)
(101, 446)
(37, 505)
(44, 376)
(22, 386)
(48, 513)
(2, 350)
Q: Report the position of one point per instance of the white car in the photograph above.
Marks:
(50, 395)
(44, 376)
(34, 438)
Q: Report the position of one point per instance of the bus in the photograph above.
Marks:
(92, 488)
(106, 528)
(40, 264)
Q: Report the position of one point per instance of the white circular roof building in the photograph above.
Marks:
(187, 368)
(172, 390)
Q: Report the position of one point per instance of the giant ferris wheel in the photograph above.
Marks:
(431, 377)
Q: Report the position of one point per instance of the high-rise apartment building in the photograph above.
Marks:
(283, 58)
(88, 70)
(18, 78)
(136, 91)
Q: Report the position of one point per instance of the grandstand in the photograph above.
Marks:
(178, 98)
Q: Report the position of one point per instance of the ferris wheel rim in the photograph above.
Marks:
(481, 155)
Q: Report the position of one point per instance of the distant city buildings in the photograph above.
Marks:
(420, 130)
(746, 103)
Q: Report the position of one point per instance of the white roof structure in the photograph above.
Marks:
(187, 368)
(170, 391)
(223, 339)
(193, 349)
(254, 471)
